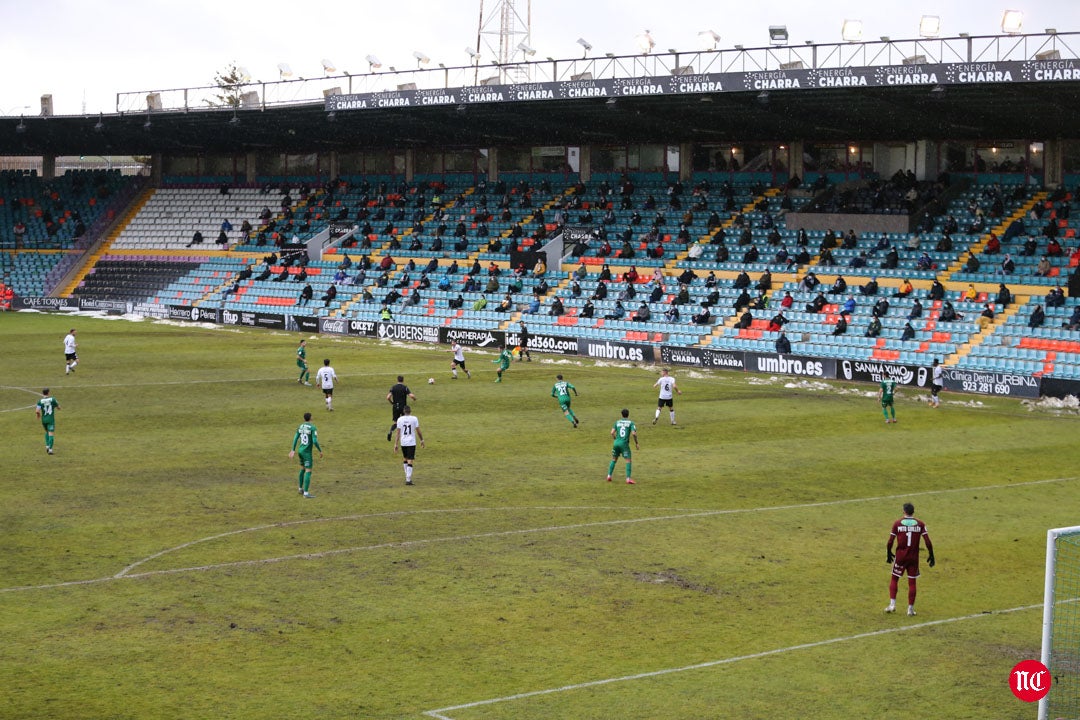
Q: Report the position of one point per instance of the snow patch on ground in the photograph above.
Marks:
(1068, 405)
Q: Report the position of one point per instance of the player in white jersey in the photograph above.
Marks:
(668, 390)
(70, 358)
(406, 435)
(936, 382)
(459, 360)
(325, 378)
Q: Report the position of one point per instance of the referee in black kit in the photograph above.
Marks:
(398, 397)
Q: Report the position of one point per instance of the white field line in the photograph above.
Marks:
(440, 713)
(126, 574)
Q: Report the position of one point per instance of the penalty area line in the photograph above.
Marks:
(440, 713)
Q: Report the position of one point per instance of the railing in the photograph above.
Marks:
(923, 51)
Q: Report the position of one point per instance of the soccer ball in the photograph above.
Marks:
(431, 381)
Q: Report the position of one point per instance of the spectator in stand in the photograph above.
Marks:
(1073, 322)
(1004, 297)
(1038, 317)
(1043, 268)
(986, 317)
(643, 313)
(702, 317)
(937, 290)
(783, 345)
(305, 295)
(948, 312)
(972, 265)
(916, 310)
(331, 294)
(908, 332)
(993, 245)
(874, 328)
(970, 295)
(617, 313)
(881, 308)
(1053, 248)
(671, 315)
(1007, 265)
(905, 289)
(839, 286)
(1056, 297)
(841, 326)
(196, 239)
(849, 306)
(870, 288)
(777, 322)
(817, 304)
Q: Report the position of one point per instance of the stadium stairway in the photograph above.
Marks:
(92, 258)
(1000, 319)
(998, 230)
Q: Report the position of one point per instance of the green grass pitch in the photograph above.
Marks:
(162, 565)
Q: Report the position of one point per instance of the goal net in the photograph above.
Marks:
(1061, 624)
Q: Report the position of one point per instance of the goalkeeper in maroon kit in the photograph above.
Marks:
(907, 532)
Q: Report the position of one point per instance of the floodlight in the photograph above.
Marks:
(284, 70)
(645, 42)
(403, 87)
(930, 26)
(242, 74)
(1012, 22)
(793, 65)
(778, 34)
(1048, 55)
(473, 55)
(708, 39)
(585, 44)
(581, 76)
(421, 58)
(526, 49)
(328, 66)
(153, 101)
(851, 30)
(914, 60)
(683, 70)
(21, 127)
(373, 62)
(99, 126)
(493, 80)
(885, 39)
(329, 92)
(1051, 31)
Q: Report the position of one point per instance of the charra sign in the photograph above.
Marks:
(979, 73)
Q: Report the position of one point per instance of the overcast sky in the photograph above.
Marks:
(84, 52)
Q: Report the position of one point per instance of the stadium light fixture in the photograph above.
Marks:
(526, 49)
(284, 71)
(147, 125)
(1051, 31)
(243, 74)
(373, 63)
(778, 34)
(328, 67)
(929, 26)
(851, 31)
(1012, 22)
(473, 55)
(645, 42)
(708, 40)
(421, 58)
(99, 126)
(586, 45)
(21, 127)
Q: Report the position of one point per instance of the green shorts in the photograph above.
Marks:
(306, 459)
(618, 450)
(49, 426)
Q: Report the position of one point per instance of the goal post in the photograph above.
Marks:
(1061, 624)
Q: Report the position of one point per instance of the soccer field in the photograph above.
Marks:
(162, 565)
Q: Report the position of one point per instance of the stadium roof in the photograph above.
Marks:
(1031, 111)
(953, 89)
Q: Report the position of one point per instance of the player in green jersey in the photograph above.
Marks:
(307, 439)
(622, 431)
(46, 412)
(301, 362)
(561, 392)
(505, 356)
(885, 393)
